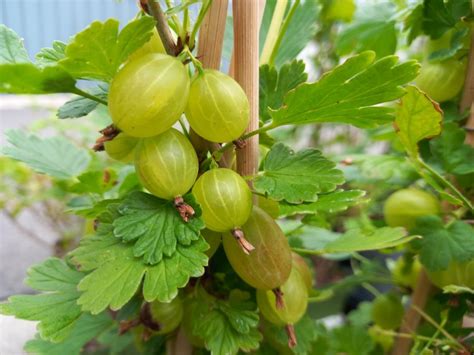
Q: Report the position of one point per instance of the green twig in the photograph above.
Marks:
(446, 183)
(282, 32)
(436, 325)
(202, 13)
(79, 92)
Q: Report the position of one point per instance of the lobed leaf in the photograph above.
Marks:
(55, 156)
(449, 149)
(351, 93)
(12, 49)
(442, 244)
(56, 309)
(440, 16)
(82, 106)
(320, 241)
(274, 85)
(155, 225)
(417, 118)
(336, 201)
(51, 56)
(225, 326)
(296, 177)
(116, 273)
(84, 330)
(26, 78)
(98, 51)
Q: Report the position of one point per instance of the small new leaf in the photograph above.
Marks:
(51, 56)
(116, 274)
(442, 244)
(54, 156)
(296, 177)
(336, 201)
(98, 51)
(351, 93)
(156, 226)
(226, 326)
(56, 308)
(12, 49)
(417, 118)
(274, 85)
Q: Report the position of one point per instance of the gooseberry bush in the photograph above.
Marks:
(185, 252)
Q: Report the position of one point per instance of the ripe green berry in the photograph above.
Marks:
(121, 148)
(218, 108)
(148, 95)
(295, 299)
(269, 265)
(387, 311)
(403, 207)
(166, 164)
(225, 199)
(167, 316)
(457, 273)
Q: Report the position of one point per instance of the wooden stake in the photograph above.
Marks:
(412, 318)
(246, 53)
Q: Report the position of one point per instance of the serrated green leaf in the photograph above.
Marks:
(449, 149)
(299, 33)
(85, 329)
(225, 326)
(442, 244)
(383, 167)
(305, 334)
(51, 56)
(12, 49)
(54, 156)
(320, 241)
(155, 225)
(82, 106)
(455, 45)
(26, 78)
(296, 177)
(274, 85)
(98, 51)
(413, 23)
(351, 93)
(333, 202)
(56, 309)
(97, 182)
(417, 118)
(440, 16)
(116, 273)
(377, 34)
(90, 210)
(351, 340)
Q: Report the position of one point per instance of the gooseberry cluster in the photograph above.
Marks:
(147, 97)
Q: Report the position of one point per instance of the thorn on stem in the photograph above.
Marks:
(185, 211)
(279, 301)
(290, 331)
(244, 243)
